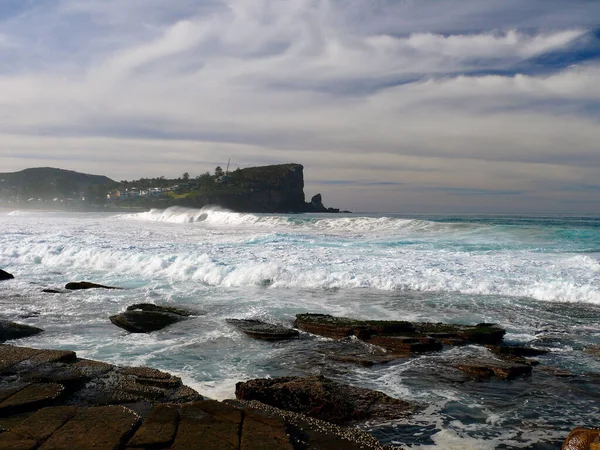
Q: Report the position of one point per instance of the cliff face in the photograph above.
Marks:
(277, 188)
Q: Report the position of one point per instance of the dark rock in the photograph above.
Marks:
(582, 439)
(11, 330)
(145, 321)
(487, 368)
(157, 308)
(78, 285)
(556, 371)
(5, 275)
(53, 291)
(406, 345)
(449, 334)
(355, 352)
(323, 399)
(342, 327)
(262, 330)
(516, 350)
(317, 203)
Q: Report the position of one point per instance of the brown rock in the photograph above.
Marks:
(12, 441)
(406, 345)
(11, 355)
(94, 428)
(261, 431)
(158, 430)
(208, 424)
(44, 422)
(486, 368)
(30, 398)
(324, 399)
(582, 439)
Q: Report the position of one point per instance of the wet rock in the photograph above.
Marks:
(342, 327)
(593, 350)
(85, 382)
(516, 350)
(11, 330)
(406, 345)
(262, 330)
(5, 275)
(451, 334)
(556, 371)
(53, 291)
(157, 308)
(368, 330)
(356, 352)
(487, 368)
(324, 399)
(582, 439)
(140, 321)
(78, 285)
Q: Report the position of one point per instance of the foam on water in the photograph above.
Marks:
(536, 277)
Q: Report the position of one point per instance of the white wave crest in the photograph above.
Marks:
(215, 217)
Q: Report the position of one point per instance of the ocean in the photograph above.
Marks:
(536, 276)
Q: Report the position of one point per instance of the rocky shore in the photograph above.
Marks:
(52, 399)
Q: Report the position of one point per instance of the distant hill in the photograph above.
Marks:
(48, 182)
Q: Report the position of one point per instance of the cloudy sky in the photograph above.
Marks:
(390, 105)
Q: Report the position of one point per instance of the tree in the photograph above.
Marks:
(185, 177)
(218, 172)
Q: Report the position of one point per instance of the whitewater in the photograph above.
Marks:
(538, 277)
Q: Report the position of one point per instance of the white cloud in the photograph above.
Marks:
(269, 81)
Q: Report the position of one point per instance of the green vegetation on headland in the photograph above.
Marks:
(275, 188)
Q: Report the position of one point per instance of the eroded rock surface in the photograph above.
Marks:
(50, 399)
(323, 399)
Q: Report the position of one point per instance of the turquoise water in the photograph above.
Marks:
(535, 276)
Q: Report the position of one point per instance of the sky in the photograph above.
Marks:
(431, 106)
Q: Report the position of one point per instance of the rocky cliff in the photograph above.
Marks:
(276, 189)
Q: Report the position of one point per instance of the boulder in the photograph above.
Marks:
(262, 330)
(144, 321)
(147, 317)
(11, 330)
(582, 439)
(5, 275)
(323, 399)
(78, 285)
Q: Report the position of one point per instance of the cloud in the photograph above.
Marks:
(393, 95)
